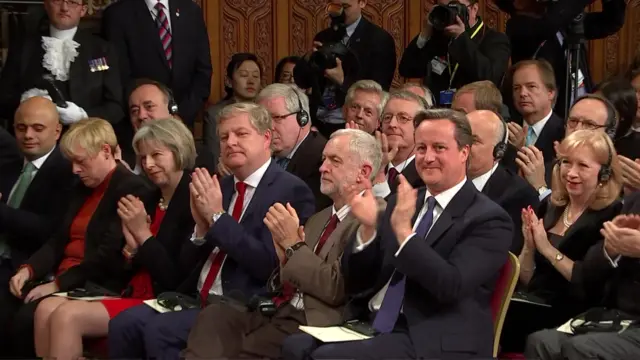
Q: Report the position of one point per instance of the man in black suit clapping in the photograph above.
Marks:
(166, 41)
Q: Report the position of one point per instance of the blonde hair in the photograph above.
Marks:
(259, 117)
(89, 134)
(172, 134)
(602, 146)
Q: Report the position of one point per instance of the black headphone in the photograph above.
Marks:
(605, 171)
(612, 113)
(302, 116)
(501, 148)
(172, 106)
(171, 103)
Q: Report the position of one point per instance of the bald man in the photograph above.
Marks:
(501, 185)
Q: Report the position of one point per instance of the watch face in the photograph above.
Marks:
(288, 252)
(559, 257)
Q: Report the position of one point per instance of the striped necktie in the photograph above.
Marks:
(164, 31)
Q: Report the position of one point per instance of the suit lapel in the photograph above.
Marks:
(176, 29)
(454, 209)
(337, 236)
(148, 29)
(262, 190)
(228, 189)
(314, 231)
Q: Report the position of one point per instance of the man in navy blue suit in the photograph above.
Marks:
(427, 268)
(230, 237)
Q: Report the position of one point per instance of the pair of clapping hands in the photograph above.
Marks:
(622, 236)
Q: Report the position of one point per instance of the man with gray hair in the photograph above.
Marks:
(309, 278)
(421, 91)
(295, 147)
(363, 105)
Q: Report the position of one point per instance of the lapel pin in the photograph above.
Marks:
(92, 65)
(105, 66)
(177, 12)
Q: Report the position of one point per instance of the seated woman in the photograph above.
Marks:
(167, 154)
(586, 183)
(88, 245)
(284, 70)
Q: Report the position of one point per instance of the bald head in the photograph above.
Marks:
(488, 131)
(37, 127)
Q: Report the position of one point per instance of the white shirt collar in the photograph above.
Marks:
(151, 4)
(40, 161)
(295, 148)
(254, 179)
(352, 28)
(342, 213)
(62, 34)
(400, 167)
(537, 127)
(444, 198)
(481, 181)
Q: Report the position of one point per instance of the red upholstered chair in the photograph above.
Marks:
(502, 297)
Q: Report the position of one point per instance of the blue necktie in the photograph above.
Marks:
(531, 136)
(387, 316)
(283, 162)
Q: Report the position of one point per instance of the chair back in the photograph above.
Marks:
(501, 298)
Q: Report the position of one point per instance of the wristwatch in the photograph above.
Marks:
(288, 253)
(542, 189)
(216, 216)
(559, 257)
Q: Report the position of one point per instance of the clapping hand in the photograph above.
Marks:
(517, 134)
(622, 236)
(207, 194)
(284, 225)
(531, 163)
(134, 216)
(404, 210)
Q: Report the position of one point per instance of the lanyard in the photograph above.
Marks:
(455, 68)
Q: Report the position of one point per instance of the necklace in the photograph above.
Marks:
(162, 205)
(565, 217)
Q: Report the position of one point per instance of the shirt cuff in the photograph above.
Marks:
(381, 189)
(406, 240)
(359, 246)
(421, 41)
(544, 194)
(196, 240)
(613, 262)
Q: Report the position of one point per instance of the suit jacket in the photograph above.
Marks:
(411, 174)
(319, 277)
(450, 275)
(102, 263)
(251, 257)
(99, 93)
(305, 164)
(10, 159)
(485, 57)
(160, 254)
(130, 26)
(27, 228)
(513, 194)
(547, 282)
(552, 131)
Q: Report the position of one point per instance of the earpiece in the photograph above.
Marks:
(302, 116)
(173, 106)
(501, 148)
(605, 171)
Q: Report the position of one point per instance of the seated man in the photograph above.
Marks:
(150, 100)
(421, 91)
(39, 184)
(231, 251)
(479, 95)
(312, 290)
(506, 188)
(83, 67)
(608, 274)
(363, 105)
(429, 266)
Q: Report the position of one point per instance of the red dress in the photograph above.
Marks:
(141, 281)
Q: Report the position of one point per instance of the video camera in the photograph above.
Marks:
(442, 16)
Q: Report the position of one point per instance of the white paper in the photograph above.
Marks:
(566, 327)
(333, 333)
(88, 298)
(153, 303)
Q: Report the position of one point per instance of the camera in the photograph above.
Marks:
(325, 57)
(442, 16)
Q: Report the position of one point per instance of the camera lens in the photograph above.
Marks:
(441, 17)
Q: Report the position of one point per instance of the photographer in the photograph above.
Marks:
(538, 30)
(362, 50)
(455, 48)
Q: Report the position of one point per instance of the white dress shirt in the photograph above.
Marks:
(252, 182)
(442, 200)
(537, 127)
(37, 163)
(297, 300)
(481, 181)
(151, 4)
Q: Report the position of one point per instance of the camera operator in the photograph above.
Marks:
(539, 30)
(455, 48)
(362, 50)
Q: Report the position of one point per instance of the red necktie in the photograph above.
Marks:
(392, 175)
(162, 22)
(287, 289)
(218, 258)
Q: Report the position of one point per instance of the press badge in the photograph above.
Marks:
(438, 66)
(446, 96)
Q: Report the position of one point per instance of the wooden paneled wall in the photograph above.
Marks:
(276, 28)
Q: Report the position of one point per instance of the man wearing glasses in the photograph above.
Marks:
(81, 65)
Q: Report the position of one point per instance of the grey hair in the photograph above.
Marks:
(428, 95)
(409, 96)
(367, 86)
(258, 115)
(365, 146)
(293, 96)
(174, 135)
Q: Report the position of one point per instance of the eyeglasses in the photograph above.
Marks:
(585, 124)
(74, 4)
(401, 117)
(279, 118)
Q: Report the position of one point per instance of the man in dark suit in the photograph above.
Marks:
(36, 195)
(431, 263)
(295, 147)
(82, 66)
(231, 245)
(534, 92)
(459, 54)
(10, 158)
(501, 185)
(309, 280)
(165, 41)
(150, 100)
(375, 59)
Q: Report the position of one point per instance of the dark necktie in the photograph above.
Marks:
(283, 162)
(162, 22)
(387, 316)
(392, 175)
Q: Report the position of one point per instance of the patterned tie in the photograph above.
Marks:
(162, 21)
(392, 175)
(387, 316)
(15, 199)
(531, 136)
(218, 258)
(283, 162)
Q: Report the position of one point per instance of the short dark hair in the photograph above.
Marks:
(462, 129)
(138, 83)
(280, 66)
(236, 61)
